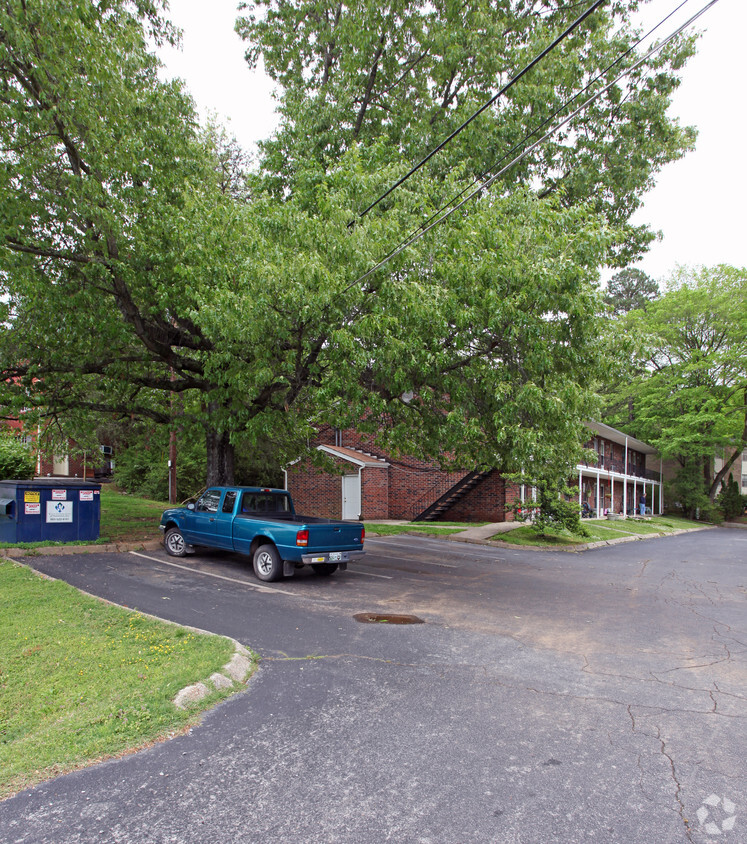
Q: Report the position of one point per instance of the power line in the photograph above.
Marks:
(483, 107)
(425, 229)
(545, 122)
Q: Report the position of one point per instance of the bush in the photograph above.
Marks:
(16, 462)
(729, 500)
(551, 512)
(142, 464)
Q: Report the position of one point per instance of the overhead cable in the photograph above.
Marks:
(486, 184)
(517, 146)
(483, 107)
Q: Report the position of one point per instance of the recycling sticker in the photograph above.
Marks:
(717, 815)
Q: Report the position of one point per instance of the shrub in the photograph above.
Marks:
(16, 462)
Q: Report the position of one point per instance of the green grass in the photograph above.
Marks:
(127, 518)
(415, 527)
(598, 531)
(81, 680)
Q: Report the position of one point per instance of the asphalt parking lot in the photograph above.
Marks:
(545, 697)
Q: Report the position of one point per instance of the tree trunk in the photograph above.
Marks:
(220, 458)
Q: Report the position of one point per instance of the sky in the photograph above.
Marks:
(698, 201)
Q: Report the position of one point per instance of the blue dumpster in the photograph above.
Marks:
(54, 509)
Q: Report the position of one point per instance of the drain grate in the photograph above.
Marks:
(386, 618)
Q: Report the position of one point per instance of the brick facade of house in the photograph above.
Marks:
(401, 489)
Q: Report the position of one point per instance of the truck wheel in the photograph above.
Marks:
(267, 563)
(325, 569)
(174, 542)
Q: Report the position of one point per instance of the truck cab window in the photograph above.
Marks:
(208, 501)
(229, 501)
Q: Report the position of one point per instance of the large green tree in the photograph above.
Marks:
(689, 398)
(145, 275)
(404, 75)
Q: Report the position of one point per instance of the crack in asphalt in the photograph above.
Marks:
(678, 787)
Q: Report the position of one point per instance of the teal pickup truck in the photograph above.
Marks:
(262, 523)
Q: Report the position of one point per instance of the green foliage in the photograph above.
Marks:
(730, 501)
(16, 462)
(141, 465)
(629, 290)
(688, 392)
(686, 490)
(401, 76)
(145, 274)
(554, 510)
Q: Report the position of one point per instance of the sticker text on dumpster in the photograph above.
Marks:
(59, 511)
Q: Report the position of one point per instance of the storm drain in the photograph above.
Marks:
(386, 618)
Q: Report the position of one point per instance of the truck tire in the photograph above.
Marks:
(267, 563)
(324, 569)
(174, 542)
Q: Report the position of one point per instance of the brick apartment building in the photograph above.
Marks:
(371, 484)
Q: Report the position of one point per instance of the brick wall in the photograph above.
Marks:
(315, 492)
(375, 493)
(484, 503)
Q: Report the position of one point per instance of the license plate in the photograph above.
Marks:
(335, 556)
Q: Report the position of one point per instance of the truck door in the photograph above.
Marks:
(224, 520)
(204, 518)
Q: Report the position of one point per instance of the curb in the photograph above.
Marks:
(63, 550)
(236, 670)
(586, 546)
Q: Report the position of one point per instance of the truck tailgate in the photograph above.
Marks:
(334, 536)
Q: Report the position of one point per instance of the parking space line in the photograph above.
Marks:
(370, 574)
(192, 570)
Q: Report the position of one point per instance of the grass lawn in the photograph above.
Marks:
(127, 518)
(599, 531)
(81, 680)
(432, 528)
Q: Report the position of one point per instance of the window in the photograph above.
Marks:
(229, 501)
(209, 501)
(264, 502)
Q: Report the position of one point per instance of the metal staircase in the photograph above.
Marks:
(451, 496)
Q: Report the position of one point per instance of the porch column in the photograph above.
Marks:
(635, 494)
(625, 481)
(580, 482)
(598, 507)
(612, 493)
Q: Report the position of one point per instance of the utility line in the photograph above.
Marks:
(483, 107)
(545, 122)
(425, 229)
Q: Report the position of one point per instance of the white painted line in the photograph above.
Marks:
(217, 576)
(370, 574)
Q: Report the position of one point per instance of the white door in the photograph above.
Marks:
(351, 496)
(60, 465)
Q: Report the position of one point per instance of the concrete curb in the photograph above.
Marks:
(63, 550)
(735, 525)
(237, 668)
(586, 546)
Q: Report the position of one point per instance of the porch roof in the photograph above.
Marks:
(353, 455)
